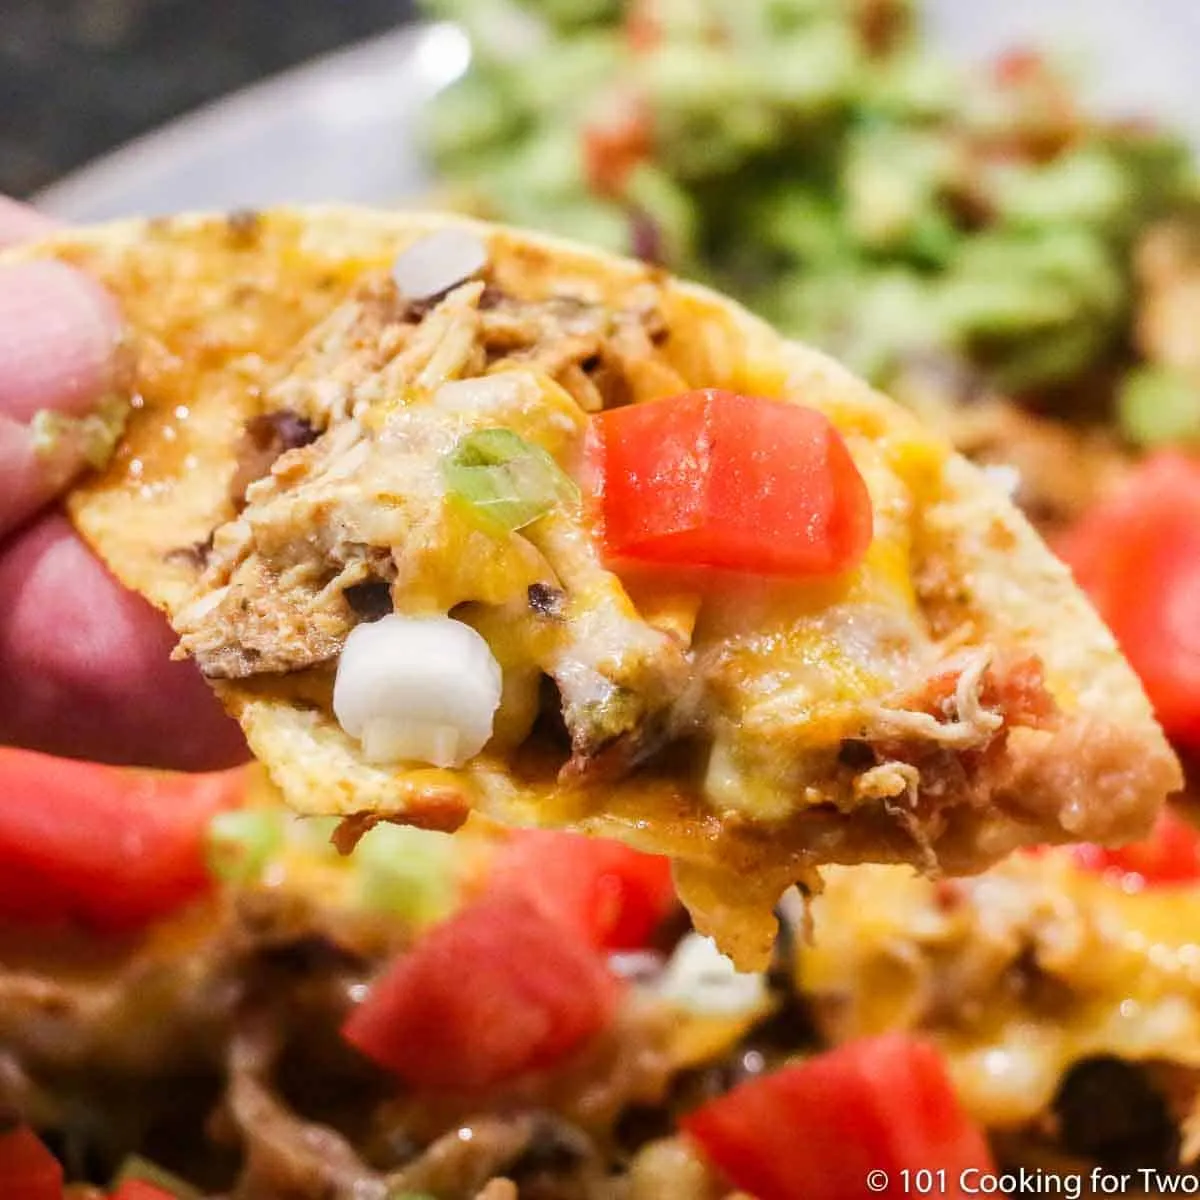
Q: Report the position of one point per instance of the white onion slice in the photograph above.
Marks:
(422, 689)
(432, 266)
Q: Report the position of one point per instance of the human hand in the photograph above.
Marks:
(84, 664)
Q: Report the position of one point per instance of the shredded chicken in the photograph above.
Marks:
(364, 505)
(538, 1133)
(970, 725)
(136, 1010)
(462, 1161)
(334, 368)
(604, 358)
(618, 676)
(286, 1156)
(264, 439)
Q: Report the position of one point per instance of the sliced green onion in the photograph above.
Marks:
(406, 871)
(506, 480)
(241, 843)
(143, 1170)
(1157, 406)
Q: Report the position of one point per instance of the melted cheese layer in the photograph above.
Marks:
(1016, 974)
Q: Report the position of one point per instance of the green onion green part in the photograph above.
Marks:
(506, 480)
(406, 871)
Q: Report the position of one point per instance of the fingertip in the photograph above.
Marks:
(59, 331)
(20, 223)
(87, 664)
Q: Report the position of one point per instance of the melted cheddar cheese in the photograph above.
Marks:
(1016, 974)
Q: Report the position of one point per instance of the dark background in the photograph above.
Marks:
(79, 77)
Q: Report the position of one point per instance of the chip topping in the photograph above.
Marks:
(417, 688)
(430, 267)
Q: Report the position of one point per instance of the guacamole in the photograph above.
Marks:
(821, 161)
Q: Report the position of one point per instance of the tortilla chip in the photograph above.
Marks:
(213, 303)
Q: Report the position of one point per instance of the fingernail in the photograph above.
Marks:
(58, 336)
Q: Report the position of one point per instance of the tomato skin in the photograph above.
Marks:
(738, 483)
(615, 143)
(28, 1171)
(495, 991)
(108, 847)
(609, 894)
(1018, 66)
(1137, 555)
(816, 1130)
(1169, 856)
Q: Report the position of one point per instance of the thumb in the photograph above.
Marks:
(58, 337)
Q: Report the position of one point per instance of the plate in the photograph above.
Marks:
(341, 128)
(344, 127)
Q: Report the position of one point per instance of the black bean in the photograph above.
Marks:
(195, 555)
(1110, 1111)
(546, 600)
(642, 1123)
(856, 754)
(282, 429)
(370, 601)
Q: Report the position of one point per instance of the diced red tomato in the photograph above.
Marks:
(28, 1171)
(714, 479)
(139, 1189)
(108, 847)
(495, 991)
(612, 896)
(1137, 554)
(1019, 66)
(614, 143)
(1171, 855)
(817, 1130)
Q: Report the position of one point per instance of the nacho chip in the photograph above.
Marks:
(282, 481)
